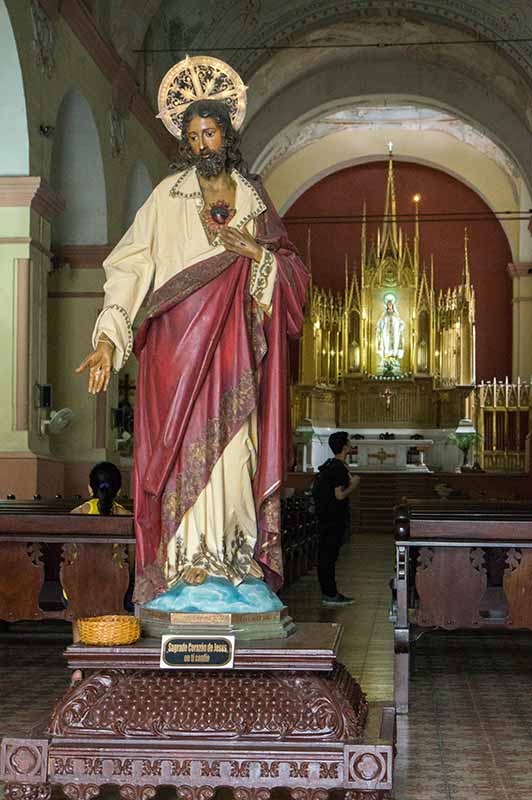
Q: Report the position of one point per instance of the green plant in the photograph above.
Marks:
(464, 441)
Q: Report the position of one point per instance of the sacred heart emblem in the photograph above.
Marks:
(220, 213)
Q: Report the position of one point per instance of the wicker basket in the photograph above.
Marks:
(109, 630)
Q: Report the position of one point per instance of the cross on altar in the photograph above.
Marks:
(387, 395)
(381, 455)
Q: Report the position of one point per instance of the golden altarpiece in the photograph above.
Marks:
(389, 351)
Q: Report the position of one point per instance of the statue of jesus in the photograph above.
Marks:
(212, 412)
(390, 339)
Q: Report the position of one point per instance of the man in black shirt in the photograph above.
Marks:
(331, 491)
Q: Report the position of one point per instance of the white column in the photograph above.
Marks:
(521, 274)
(27, 204)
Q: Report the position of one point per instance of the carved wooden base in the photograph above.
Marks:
(135, 732)
(88, 791)
(28, 791)
(253, 731)
(279, 706)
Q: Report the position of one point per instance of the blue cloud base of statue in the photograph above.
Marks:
(218, 596)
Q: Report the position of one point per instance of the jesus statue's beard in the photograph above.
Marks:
(212, 164)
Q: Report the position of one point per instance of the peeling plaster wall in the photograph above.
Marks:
(395, 77)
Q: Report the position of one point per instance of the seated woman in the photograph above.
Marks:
(105, 482)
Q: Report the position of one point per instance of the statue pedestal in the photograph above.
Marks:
(265, 625)
(288, 715)
(250, 610)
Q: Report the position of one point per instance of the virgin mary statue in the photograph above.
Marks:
(390, 335)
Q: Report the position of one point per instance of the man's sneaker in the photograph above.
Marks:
(339, 600)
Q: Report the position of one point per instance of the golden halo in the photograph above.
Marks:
(200, 78)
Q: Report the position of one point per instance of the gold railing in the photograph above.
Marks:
(503, 417)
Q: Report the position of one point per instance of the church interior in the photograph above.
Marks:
(395, 141)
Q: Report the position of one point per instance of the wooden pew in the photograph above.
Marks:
(299, 537)
(88, 556)
(92, 560)
(459, 565)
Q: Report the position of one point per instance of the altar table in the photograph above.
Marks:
(380, 455)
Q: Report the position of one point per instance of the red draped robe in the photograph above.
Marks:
(209, 358)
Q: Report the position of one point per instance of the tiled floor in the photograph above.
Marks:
(468, 735)
(469, 732)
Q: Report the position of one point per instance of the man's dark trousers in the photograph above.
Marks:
(331, 537)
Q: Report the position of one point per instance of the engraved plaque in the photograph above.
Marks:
(197, 652)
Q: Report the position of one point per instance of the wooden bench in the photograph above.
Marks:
(87, 554)
(42, 544)
(299, 537)
(459, 565)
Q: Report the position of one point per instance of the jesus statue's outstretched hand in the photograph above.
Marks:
(99, 364)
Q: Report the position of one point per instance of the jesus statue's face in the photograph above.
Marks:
(206, 142)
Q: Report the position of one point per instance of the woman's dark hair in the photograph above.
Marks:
(105, 481)
(220, 112)
(338, 440)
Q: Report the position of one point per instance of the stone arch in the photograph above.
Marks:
(295, 164)
(394, 76)
(14, 154)
(139, 186)
(78, 173)
(351, 21)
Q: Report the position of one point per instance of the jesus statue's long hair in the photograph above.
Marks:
(220, 112)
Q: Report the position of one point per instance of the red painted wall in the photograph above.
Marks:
(343, 193)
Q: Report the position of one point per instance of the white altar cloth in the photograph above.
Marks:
(383, 455)
(437, 454)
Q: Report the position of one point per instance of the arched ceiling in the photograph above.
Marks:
(354, 136)
(328, 60)
(501, 109)
(386, 119)
(248, 24)
(332, 60)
